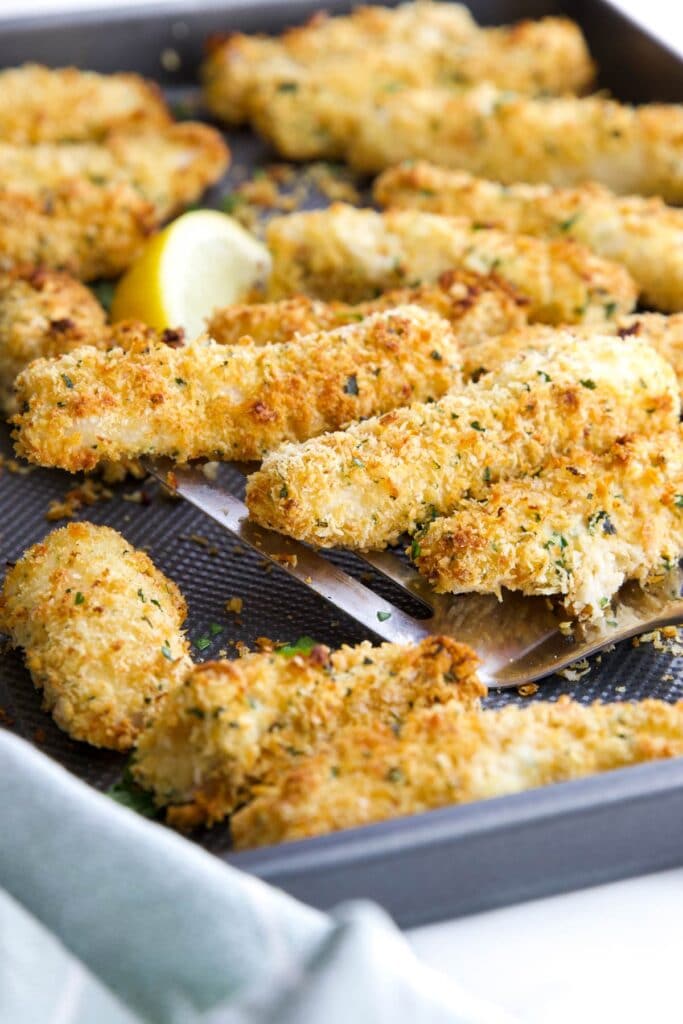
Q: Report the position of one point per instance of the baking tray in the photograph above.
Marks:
(443, 863)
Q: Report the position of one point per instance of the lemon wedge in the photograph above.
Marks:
(202, 260)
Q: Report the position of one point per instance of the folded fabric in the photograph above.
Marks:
(111, 919)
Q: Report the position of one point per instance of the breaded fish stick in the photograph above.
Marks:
(475, 305)
(580, 529)
(512, 138)
(217, 735)
(369, 774)
(351, 254)
(42, 313)
(40, 104)
(486, 353)
(645, 235)
(85, 229)
(376, 48)
(89, 207)
(206, 400)
(101, 630)
(363, 487)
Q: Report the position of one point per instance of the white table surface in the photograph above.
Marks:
(598, 956)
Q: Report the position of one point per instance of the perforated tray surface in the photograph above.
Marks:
(421, 868)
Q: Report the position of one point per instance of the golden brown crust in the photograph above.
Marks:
(350, 254)
(40, 104)
(419, 461)
(101, 630)
(644, 235)
(173, 167)
(46, 313)
(205, 400)
(486, 353)
(475, 305)
(89, 207)
(579, 529)
(513, 138)
(85, 229)
(218, 734)
(42, 313)
(376, 49)
(368, 774)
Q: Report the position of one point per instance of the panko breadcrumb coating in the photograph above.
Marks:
(46, 313)
(420, 461)
(101, 630)
(89, 207)
(487, 352)
(218, 734)
(172, 168)
(579, 529)
(375, 49)
(350, 254)
(205, 400)
(40, 104)
(42, 313)
(645, 235)
(511, 138)
(368, 773)
(476, 305)
(86, 229)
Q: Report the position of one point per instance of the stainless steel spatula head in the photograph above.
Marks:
(518, 639)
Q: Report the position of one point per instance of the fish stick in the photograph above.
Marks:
(101, 631)
(42, 313)
(475, 305)
(582, 528)
(363, 487)
(644, 235)
(217, 735)
(85, 229)
(205, 400)
(169, 167)
(88, 208)
(512, 138)
(376, 49)
(351, 254)
(40, 104)
(366, 773)
(484, 353)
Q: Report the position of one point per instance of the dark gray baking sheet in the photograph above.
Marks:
(435, 865)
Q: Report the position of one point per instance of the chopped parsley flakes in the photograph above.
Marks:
(304, 645)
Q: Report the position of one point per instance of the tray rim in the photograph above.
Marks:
(285, 11)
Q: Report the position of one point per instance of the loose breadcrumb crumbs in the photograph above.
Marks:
(13, 466)
(577, 670)
(88, 493)
(527, 689)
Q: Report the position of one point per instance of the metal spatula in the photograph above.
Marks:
(519, 639)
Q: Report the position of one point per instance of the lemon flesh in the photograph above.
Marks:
(201, 261)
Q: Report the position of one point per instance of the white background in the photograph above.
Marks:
(610, 954)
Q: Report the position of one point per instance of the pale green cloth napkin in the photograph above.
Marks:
(108, 918)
